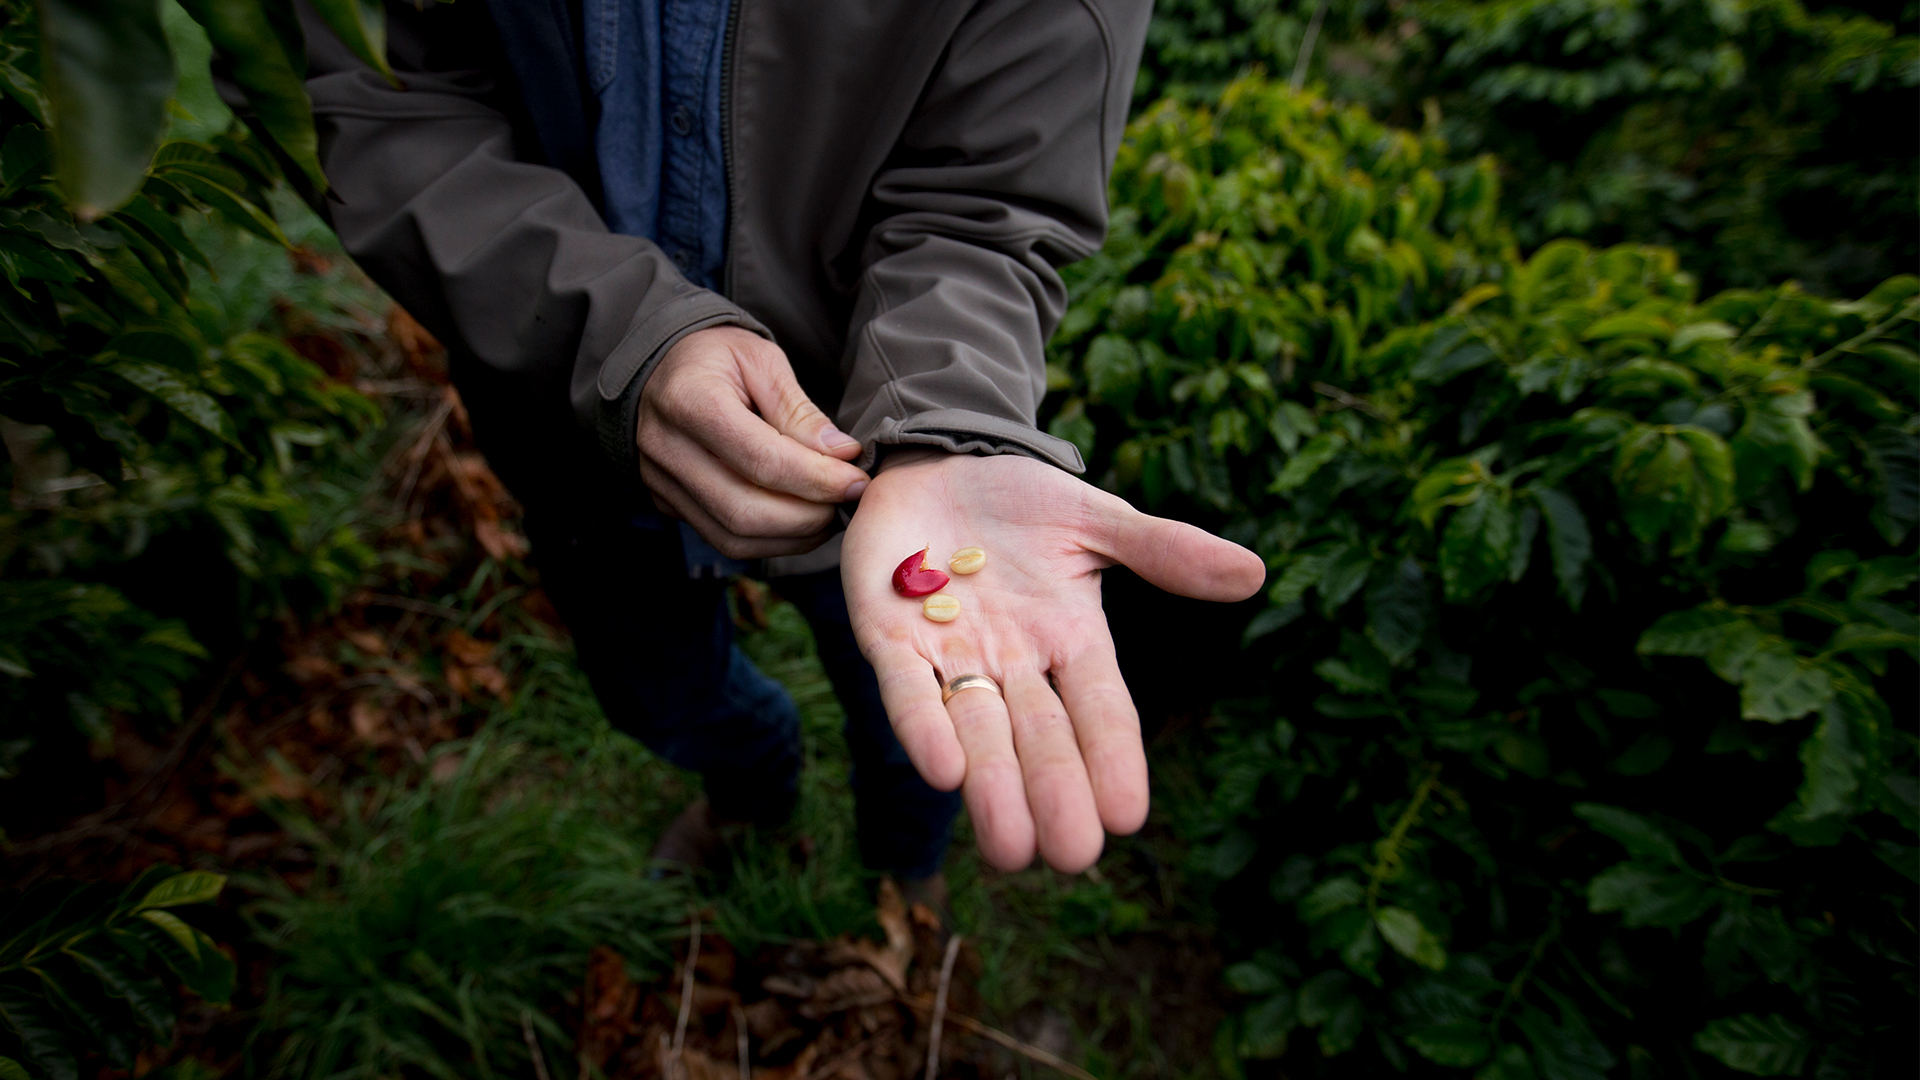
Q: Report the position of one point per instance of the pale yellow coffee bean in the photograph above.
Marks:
(968, 560)
(940, 607)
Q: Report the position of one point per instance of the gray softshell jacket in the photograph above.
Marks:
(906, 178)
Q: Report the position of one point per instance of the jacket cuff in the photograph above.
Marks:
(626, 370)
(962, 431)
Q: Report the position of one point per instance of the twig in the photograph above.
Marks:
(940, 1006)
(533, 1045)
(1348, 401)
(686, 1003)
(1026, 1050)
(141, 803)
(1908, 311)
(423, 607)
(740, 1040)
(832, 1064)
(417, 454)
(1306, 46)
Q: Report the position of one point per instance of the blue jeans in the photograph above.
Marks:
(657, 643)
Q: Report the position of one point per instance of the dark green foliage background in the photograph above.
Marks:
(1764, 140)
(1586, 744)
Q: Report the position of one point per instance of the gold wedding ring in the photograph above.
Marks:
(968, 682)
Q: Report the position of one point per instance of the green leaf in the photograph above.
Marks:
(1346, 572)
(1398, 607)
(274, 83)
(1300, 467)
(1410, 937)
(1330, 896)
(1776, 685)
(1648, 896)
(1459, 1045)
(1511, 1063)
(1451, 352)
(180, 932)
(1569, 542)
(361, 26)
(224, 201)
(1640, 836)
(108, 74)
(1564, 1051)
(1775, 434)
(1113, 371)
(1264, 1028)
(1832, 765)
(1074, 425)
(12, 1070)
(1478, 543)
(150, 1002)
(1885, 574)
(167, 385)
(192, 887)
(1673, 481)
(1303, 573)
(1762, 1046)
(1248, 977)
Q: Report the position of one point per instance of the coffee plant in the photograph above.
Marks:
(1588, 742)
(79, 967)
(131, 408)
(1763, 139)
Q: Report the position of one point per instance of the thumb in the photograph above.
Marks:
(776, 394)
(1180, 558)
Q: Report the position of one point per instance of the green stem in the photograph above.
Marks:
(1519, 982)
(1910, 310)
(1390, 847)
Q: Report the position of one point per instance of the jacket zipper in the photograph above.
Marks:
(726, 139)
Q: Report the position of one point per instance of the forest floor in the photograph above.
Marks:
(439, 710)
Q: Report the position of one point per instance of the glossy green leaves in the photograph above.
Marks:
(1673, 481)
(261, 39)
(85, 968)
(107, 73)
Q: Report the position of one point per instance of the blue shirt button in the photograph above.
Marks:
(682, 120)
(682, 259)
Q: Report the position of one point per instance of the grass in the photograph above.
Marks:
(443, 911)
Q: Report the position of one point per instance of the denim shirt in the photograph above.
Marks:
(656, 68)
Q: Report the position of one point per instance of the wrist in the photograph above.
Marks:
(897, 455)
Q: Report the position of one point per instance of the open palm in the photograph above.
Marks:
(1058, 762)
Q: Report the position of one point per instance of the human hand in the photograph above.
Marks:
(1059, 761)
(731, 444)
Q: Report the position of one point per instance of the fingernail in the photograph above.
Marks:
(854, 490)
(833, 438)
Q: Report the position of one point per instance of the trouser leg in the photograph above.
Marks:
(658, 648)
(903, 825)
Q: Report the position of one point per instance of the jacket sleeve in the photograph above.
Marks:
(998, 180)
(507, 262)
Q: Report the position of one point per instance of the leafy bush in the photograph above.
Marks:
(1494, 811)
(1761, 139)
(132, 406)
(78, 963)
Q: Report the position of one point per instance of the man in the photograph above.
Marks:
(663, 240)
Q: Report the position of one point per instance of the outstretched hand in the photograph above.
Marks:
(1058, 761)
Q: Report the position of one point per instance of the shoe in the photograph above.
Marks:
(696, 843)
(931, 893)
